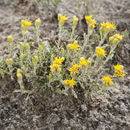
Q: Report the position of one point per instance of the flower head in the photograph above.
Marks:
(107, 81)
(91, 22)
(55, 67)
(9, 62)
(75, 21)
(74, 70)
(22, 56)
(118, 70)
(107, 27)
(100, 52)
(115, 39)
(58, 60)
(25, 25)
(35, 59)
(24, 46)
(69, 82)
(84, 63)
(41, 46)
(38, 22)
(62, 19)
(19, 75)
(74, 46)
(10, 39)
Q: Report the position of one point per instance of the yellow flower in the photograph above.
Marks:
(119, 70)
(22, 56)
(73, 46)
(91, 22)
(38, 22)
(84, 63)
(24, 46)
(75, 20)
(74, 70)
(55, 67)
(41, 46)
(9, 62)
(62, 19)
(27, 46)
(35, 59)
(115, 39)
(10, 39)
(58, 60)
(50, 76)
(107, 81)
(25, 25)
(19, 75)
(88, 17)
(69, 82)
(107, 27)
(100, 52)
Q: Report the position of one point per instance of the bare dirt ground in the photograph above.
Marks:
(110, 111)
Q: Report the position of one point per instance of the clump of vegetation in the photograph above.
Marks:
(48, 1)
(61, 67)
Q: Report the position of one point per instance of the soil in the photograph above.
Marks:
(108, 111)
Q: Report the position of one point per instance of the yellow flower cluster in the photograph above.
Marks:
(74, 46)
(91, 22)
(22, 56)
(115, 39)
(62, 19)
(25, 25)
(9, 62)
(118, 69)
(56, 66)
(100, 52)
(83, 63)
(58, 60)
(107, 27)
(24, 46)
(69, 82)
(74, 70)
(75, 21)
(107, 81)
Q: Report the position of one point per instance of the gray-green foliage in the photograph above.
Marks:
(48, 1)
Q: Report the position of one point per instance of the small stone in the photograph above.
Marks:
(83, 107)
(18, 116)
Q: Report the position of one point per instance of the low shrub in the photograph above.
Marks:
(66, 64)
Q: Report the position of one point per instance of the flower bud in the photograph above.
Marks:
(19, 71)
(27, 46)
(38, 22)
(10, 39)
(19, 75)
(75, 20)
(22, 56)
(35, 59)
(50, 76)
(9, 62)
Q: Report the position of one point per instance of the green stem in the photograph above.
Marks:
(72, 34)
